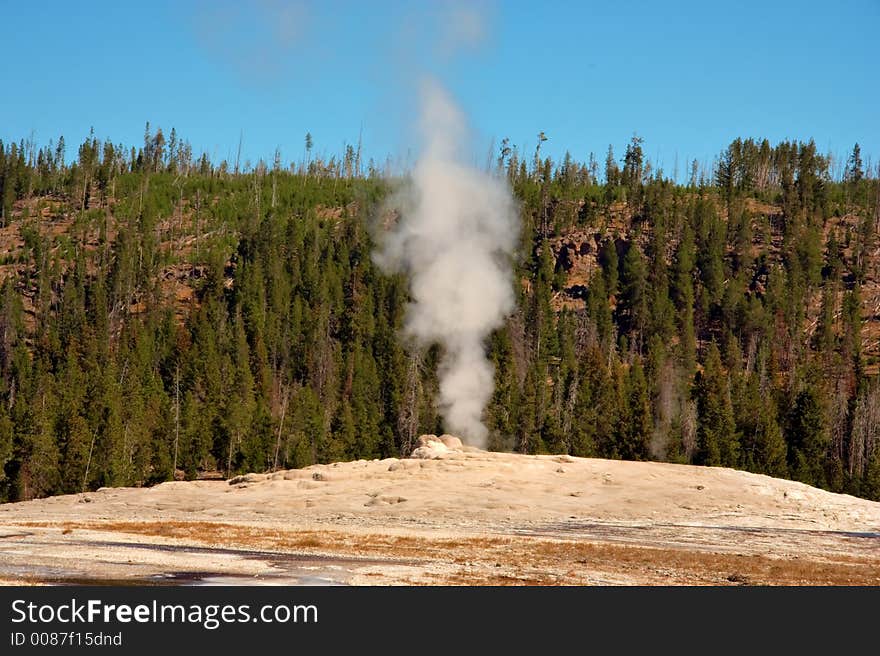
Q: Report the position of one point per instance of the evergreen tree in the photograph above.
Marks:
(637, 425)
(7, 436)
(633, 305)
(854, 172)
(205, 318)
(717, 441)
(609, 262)
(872, 477)
(807, 437)
(763, 447)
(683, 295)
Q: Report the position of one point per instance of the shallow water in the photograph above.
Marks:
(289, 569)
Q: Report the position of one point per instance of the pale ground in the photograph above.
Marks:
(465, 517)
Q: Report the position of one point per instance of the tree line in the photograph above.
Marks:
(162, 315)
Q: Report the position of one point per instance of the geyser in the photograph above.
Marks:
(457, 232)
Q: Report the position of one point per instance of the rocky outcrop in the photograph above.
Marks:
(431, 447)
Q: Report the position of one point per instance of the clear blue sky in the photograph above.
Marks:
(686, 76)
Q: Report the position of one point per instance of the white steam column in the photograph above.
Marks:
(458, 230)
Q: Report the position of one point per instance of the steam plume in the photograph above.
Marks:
(457, 231)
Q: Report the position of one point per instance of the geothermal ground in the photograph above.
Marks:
(451, 517)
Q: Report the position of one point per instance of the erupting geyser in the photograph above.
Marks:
(455, 238)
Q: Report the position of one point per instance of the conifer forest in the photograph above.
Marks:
(164, 316)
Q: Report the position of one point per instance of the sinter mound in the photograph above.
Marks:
(454, 514)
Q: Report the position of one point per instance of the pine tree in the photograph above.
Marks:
(871, 485)
(38, 463)
(633, 306)
(763, 447)
(854, 171)
(633, 171)
(7, 436)
(599, 310)
(242, 447)
(852, 327)
(612, 172)
(717, 441)
(527, 437)
(807, 437)
(825, 336)
(499, 414)
(638, 424)
(683, 296)
(552, 436)
(609, 262)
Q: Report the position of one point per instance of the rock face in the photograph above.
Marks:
(452, 442)
(431, 447)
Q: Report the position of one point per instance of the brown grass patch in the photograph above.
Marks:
(516, 560)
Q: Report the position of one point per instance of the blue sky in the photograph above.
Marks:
(686, 76)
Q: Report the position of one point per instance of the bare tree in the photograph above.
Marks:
(408, 417)
(689, 429)
(839, 419)
(176, 418)
(276, 168)
(238, 152)
(285, 398)
(865, 436)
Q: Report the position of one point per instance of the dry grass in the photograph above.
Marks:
(513, 560)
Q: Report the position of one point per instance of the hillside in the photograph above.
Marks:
(576, 256)
(575, 253)
(166, 318)
(452, 517)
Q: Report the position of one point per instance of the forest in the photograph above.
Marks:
(166, 316)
